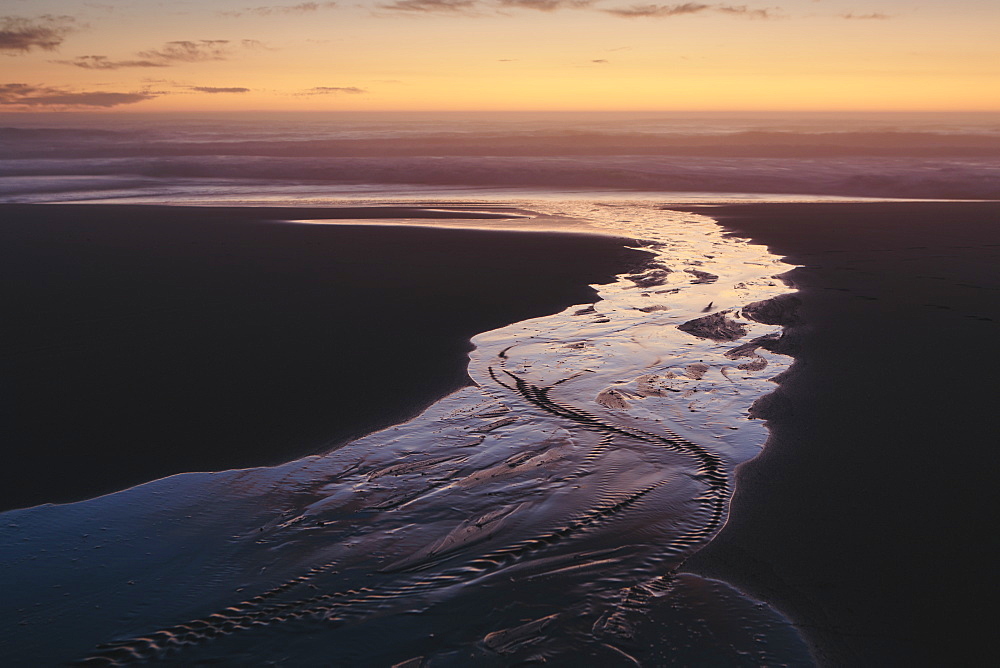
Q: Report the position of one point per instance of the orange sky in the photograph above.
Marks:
(498, 54)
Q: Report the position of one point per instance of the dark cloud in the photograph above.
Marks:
(639, 11)
(334, 90)
(430, 6)
(26, 95)
(866, 17)
(217, 89)
(547, 5)
(20, 35)
(268, 10)
(600, 61)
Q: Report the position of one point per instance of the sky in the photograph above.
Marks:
(225, 55)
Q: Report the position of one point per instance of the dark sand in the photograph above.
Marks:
(142, 341)
(868, 517)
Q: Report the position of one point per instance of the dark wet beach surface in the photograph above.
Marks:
(549, 511)
(865, 518)
(136, 335)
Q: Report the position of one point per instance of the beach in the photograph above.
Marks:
(539, 501)
(546, 442)
(863, 517)
(496, 333)
(136, 334)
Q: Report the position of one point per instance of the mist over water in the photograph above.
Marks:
(61, 157)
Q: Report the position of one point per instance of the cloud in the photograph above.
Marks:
(217, 89)
(547, 5)
(190, 52)
(743, 10)
(171, 54)
(638, 11)
(877, 16)
(102, 63)
(333, 90)
(479, 7)
(26, 95)
(656, 11)
(268, 10)
(600, 61)
(21, 35)
(430, 6)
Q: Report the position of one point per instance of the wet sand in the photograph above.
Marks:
(866, 517)
(142, 341)
(542, 514)
(523, 518)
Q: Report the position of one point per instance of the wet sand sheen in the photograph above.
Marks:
(138, 334)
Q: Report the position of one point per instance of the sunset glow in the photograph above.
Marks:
(498, 55)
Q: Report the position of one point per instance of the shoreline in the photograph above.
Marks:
(164, 328)
(859, 518)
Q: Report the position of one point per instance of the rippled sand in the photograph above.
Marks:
(542, 515)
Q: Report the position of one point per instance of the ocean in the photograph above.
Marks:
(256, 157)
